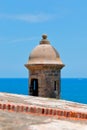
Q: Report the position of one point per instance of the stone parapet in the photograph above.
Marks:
(43, 111)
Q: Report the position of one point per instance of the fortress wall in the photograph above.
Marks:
(43, 111)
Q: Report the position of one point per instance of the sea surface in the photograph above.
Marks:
(72, 89)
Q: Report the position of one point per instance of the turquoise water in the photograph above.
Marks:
(74, 90)
(71, 89)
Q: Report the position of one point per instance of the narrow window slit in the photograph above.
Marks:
(54, 85)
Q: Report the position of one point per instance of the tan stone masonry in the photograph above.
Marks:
(53, 112)
(44, 107)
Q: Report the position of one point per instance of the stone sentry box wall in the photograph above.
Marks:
(48, 80)
(44, 67)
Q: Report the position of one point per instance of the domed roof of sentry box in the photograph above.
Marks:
(44, 53)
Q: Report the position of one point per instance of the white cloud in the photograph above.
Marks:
(28, 17)
(17, 40)
(23, 39)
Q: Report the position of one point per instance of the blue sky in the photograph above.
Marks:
(22, 22)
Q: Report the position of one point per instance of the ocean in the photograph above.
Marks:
(72, 89)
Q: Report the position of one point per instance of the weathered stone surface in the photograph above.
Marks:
(18, 121)
(46, 79)
(43, 102)
(23, 121)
